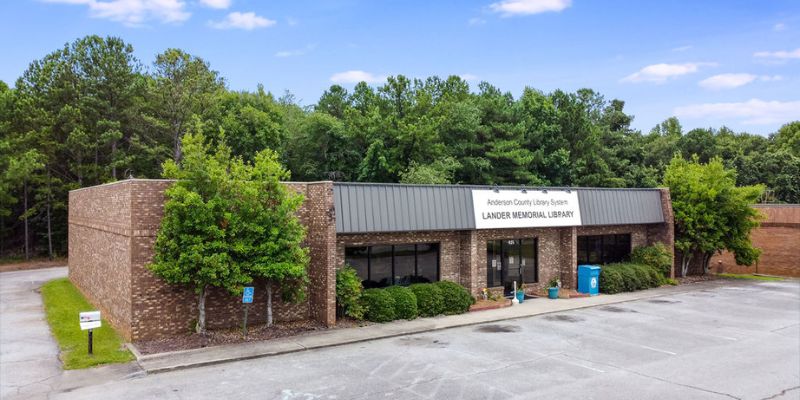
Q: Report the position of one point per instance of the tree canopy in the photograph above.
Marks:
(711, 212)
(91, 112)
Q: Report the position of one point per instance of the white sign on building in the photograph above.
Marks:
(518, 209)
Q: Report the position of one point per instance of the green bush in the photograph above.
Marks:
(379, 305)
(628, 277)
(348, 293)
(405, 302)
(430, 299)
(657, 256)
(456, 298)
(611, 281)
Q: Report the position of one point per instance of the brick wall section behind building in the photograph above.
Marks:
(778, 237)
(99, 249)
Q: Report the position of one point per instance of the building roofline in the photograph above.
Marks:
(506, 187)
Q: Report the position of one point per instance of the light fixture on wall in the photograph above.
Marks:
(524, 190)
(569, 190)
(495, 189)
(544, 191)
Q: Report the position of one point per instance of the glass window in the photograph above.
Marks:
(385, 265)
(603, 249)
(380, 267)
(427, 262)
(528, 261)
(358, 258)
(404, 268)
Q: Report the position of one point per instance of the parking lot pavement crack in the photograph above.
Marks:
(782, 392)
(656, 378)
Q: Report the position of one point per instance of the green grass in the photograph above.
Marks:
(62, 303)
(750, 276)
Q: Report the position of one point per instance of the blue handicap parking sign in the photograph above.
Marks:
(247, 296)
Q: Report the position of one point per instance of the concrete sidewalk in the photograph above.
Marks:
(164, 362)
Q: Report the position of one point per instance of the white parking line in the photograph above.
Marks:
(658, 350)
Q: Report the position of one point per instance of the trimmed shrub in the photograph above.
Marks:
(379, 305)
(657, 256)
(405, 302)
(430, 300)
(456, 298)
(611, 281)
(628, 277)
(348, 293)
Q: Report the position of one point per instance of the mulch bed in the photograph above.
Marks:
(481, 305)
(695, 278)
(255, 333)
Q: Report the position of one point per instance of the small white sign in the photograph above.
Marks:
(533, 208)
(90, 320)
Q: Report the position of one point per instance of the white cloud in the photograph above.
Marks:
(476, 21)
(509, 8)
(660, 73)
(780, 55)
(219, 4)
(780, 26)
(682, 48)
(727, 81)
(731, 81)
(355, 76)
(295, 52)
(751, 112)
(247, 21)
(469, 77)
(770, 78)
(134, 12)
(292, 21)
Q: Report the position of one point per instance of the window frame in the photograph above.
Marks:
(436, 245)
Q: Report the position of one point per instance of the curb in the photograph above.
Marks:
(143, 359)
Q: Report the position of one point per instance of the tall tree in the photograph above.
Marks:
(711, 212)
(183, 86)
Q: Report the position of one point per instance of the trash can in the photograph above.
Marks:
(589, 279)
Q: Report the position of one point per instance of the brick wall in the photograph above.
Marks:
(778, 238)
(112, 232)
(100, 250)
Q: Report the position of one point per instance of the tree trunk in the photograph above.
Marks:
(201, 310)
(49, 223)
(706, 260)
(269, 304)
(27, 244)
(685, 261)
(178, 152)
(114, 165)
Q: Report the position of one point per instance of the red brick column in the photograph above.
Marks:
(568, 250)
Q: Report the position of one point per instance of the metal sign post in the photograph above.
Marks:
(247, 298)
(90, 320)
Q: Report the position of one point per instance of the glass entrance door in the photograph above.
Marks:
(511, 265)
(509, 261)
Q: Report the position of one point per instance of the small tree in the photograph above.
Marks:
(266, 232)
(192, 246)
(711, 213)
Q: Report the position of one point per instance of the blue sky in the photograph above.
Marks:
(710, 63)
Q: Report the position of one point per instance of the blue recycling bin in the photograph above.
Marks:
(589, 279)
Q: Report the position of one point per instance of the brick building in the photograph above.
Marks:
(478, 236)
(778, 238)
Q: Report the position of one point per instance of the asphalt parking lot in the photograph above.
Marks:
(729, 339)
